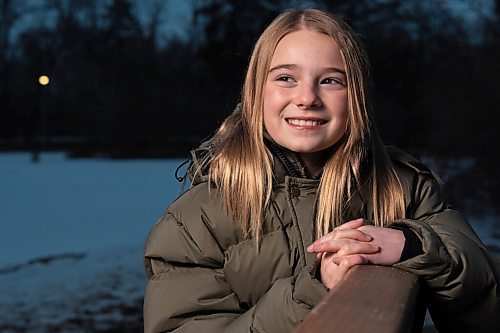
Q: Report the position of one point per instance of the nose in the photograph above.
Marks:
(307, 96)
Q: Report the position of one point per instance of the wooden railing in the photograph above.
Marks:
(371, 299)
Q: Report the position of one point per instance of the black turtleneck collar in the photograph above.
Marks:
(291, 162)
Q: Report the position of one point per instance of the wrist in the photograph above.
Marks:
(412, 246)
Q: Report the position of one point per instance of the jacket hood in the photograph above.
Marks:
(285, 162)
(197, 171)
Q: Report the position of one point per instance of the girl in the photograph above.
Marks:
(299, 160)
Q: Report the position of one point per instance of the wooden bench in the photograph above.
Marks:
(370, 299)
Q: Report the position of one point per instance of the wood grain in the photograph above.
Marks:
(370, 299)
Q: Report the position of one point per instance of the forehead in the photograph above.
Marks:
(308, 47)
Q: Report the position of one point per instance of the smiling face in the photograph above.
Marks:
(305, 94)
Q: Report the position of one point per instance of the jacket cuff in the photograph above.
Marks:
(434, 259)
(413, 244)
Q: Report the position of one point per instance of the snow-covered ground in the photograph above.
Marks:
(92, 291)
(71, 238)
(59, 205)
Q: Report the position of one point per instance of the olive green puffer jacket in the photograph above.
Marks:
(205, 276)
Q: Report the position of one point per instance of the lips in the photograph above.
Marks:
(305, 122)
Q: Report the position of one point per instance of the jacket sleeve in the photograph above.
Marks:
(188, 290)
(461, 277)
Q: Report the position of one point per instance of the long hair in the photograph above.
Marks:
(240, 165)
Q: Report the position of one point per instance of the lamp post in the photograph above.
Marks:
(43, 81)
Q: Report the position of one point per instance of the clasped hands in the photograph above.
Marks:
(354, 243)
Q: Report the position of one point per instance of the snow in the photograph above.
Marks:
(60, 205)
(71, 240)
(85, 291)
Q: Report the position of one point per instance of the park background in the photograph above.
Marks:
(87, 161)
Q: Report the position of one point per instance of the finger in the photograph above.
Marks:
(354, 224)
(354, 234)
(357, 248)
(331, 246)
(347, 262)
(351, 246)
(327, 237)
(349, 233)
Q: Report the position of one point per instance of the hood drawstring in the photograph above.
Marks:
(182, 179)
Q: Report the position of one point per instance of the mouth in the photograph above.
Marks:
(309, 122)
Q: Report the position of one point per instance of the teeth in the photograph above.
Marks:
(301, 122)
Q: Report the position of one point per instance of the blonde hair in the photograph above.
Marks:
(240, 165)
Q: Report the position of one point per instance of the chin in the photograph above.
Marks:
(305, 150)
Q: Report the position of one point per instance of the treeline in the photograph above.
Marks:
(115, 90)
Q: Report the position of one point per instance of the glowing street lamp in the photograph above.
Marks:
(43, 80)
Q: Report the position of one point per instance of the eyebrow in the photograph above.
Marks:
(293, 66)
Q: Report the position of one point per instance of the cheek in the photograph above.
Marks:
(339, 109)
(340, 105)
(269, 99)
(274, 98)
(343, 117)
(271, 106)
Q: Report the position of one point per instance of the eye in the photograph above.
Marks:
(285, 78)
(285, 81)
(333, 81)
